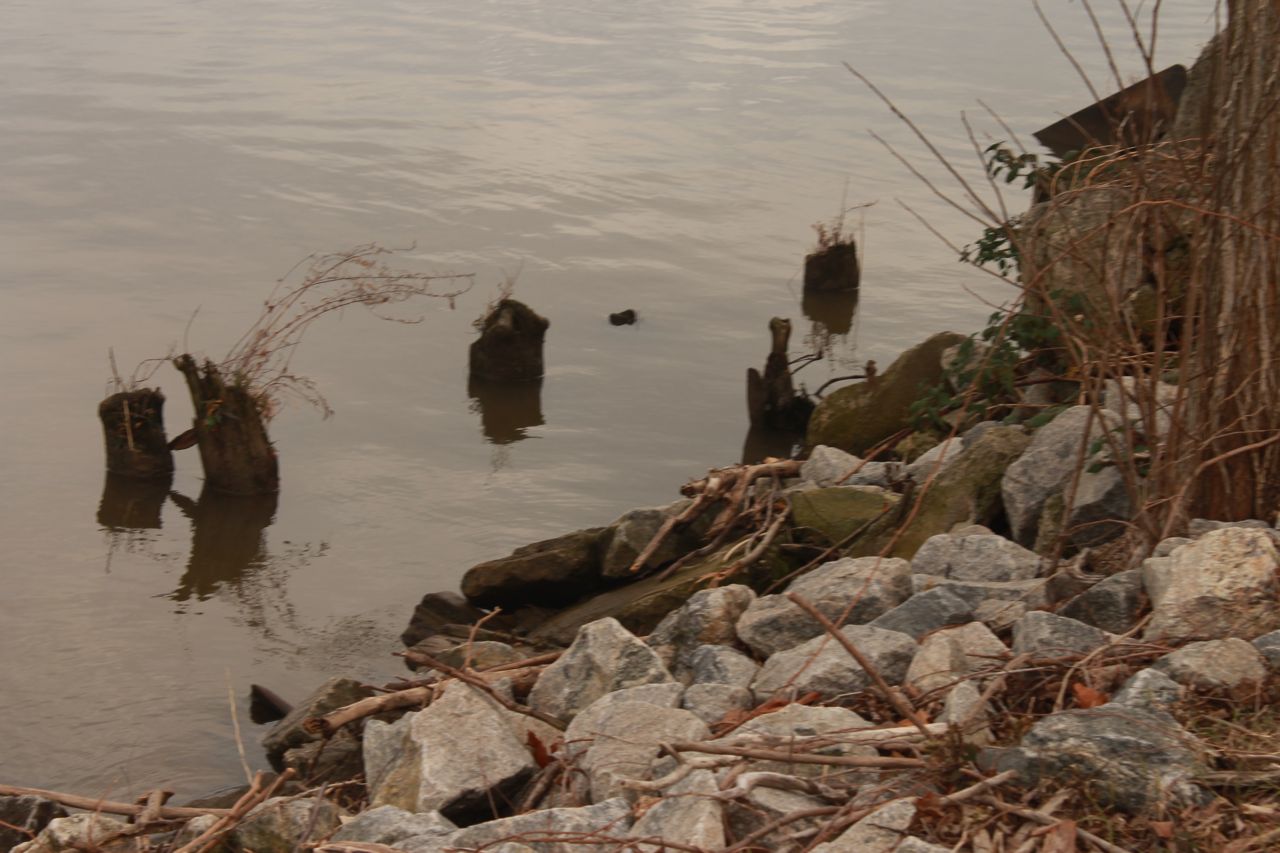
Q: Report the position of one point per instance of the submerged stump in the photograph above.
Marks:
(772, 400)
(133, 429)
(510, 345)
(235, 451)
(833, 269)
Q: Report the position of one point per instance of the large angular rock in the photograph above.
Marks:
(688, 814)
(458, 753)
(1125, 757)
(1269, 646)
(550, 830)
(882, 831)
(1113, 604)
(604, 657)
(1222, 585)
(934, 461)
(553, 572)
(285, 824)
(834, 513)
(967, 492)
(827, 466)
(865, 586)
(1047, 466)
(975, 557)
(330, 696)
(1033, 593)
(612, 742)
(1231, 666)
(1099, 508)
(780, 728)
(1149, 690)
(763, 807)
(631, 534)
(966, 711)
(857, 417)
(925, 612)
(1049, 635)
(713, 664)
(712, 702)
(87, 831)
(389, 824)
(823, 666)
(708, 617)
(22, 818)
(954, 653)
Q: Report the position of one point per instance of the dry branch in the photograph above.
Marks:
(107, 806)
(880, 762)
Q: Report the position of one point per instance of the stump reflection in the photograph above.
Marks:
(507, 409)
(227, 540)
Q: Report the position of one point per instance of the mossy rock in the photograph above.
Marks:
(858, 417)
(967, 491)
(836, 512)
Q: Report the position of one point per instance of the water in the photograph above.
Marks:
(164, 157)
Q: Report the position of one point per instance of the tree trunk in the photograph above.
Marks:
(133, 428)
(1235, 399)
(234, 448)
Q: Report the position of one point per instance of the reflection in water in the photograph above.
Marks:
(762, 443)
(833, 312)
(507, 410)
(227, 540)
(129, 504)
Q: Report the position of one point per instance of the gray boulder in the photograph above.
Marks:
(779, 729)
(954, 653)
(708, 617)
(965, 710)
(1269, 646)
(827, 465)
(934, 461)
(330, 696)
(22, 818)
(1222, 585)
(1099, 508)
(688, 813)
(925, 612)
(389, 824)
(1148, 689)
(1123, 757)
(1034, 593)
(1050, 635)
(1165, 547)
(632, 533)
(668, 694)
(604, 657)
(712, 702)
(882, 831)
(822, 665)
(712, 664)
(975, 557)
(1198, 527)
(87, 831)
(457, 754)
(1231, 666)
(1047, 465)
(764, 807)
(865, 586)
(1113, 604)
(285, 824)
(613, 742)
(550, 830)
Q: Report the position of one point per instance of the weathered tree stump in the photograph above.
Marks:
(832, 269)
(772, 400)
(133, 428)
(510, 345)
(234, 448)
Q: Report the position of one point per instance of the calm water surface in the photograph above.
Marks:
(163, 157)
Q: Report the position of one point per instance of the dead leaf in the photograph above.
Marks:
(538, 749)
(1061, 838)
(1087, 697)
(1162, 828)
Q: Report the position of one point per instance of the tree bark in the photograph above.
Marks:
(236, 453)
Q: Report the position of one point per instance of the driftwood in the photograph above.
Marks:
(259, 792)
(328, 725)
(875, 761)
(92, 804)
